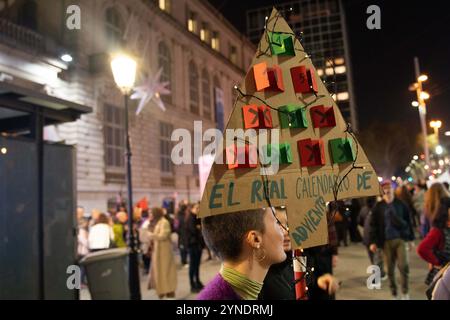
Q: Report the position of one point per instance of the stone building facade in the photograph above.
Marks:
(200, 53)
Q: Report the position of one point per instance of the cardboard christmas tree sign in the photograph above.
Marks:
(319, 159)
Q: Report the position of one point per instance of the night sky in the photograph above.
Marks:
(382, 60)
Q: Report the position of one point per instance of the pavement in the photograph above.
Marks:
(351, 270)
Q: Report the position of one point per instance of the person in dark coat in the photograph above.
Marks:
(279, 283)
(181, 231)
(194, 240)
(354, 208)
(365, 217)
(324, 258)
(390, 230)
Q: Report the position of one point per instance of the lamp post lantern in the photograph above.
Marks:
(436, 125)
(124, 71)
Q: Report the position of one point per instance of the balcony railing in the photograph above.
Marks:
(20, 37)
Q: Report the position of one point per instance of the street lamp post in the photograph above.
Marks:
(421, 97)
(124, 72)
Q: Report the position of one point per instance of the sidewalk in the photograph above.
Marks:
(351, 270)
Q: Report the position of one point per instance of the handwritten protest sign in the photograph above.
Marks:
(320, 158)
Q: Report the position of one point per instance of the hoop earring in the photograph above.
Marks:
(259, 257)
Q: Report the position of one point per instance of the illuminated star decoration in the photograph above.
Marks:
(151, 89)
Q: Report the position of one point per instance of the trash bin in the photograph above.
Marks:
(107, 274)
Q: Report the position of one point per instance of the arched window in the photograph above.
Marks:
(114, 28)
(216, 82)
(206, 94)
(193, 88)
(165, 62)
(218, 105)
(28, 14)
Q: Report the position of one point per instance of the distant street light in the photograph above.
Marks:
(439, 150)
(416, 157)
(447, 133)
(66, 57)
(415, 104)
(436, 125)
(124, 72)
(422, 78)
(424, 95)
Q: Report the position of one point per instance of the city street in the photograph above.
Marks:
(140, 130)
(351, 271)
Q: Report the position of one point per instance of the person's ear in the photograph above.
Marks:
(254, 239)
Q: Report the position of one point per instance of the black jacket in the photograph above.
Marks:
(377, 225)
(279, 282)
(194, 237)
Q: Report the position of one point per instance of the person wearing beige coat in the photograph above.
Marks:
(163, 272)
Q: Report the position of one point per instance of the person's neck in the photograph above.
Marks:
(252, 270)
(389, 201)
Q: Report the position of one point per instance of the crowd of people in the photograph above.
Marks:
(155, 230)
(404, 214)
(256, 254)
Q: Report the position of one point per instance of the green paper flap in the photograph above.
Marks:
(342, 150)
(281, 44)
(292, 116)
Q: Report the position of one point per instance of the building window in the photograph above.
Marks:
(193, 88)
(342, 96)
(233, 54)
(114, 134)
(215, 41)
(114, 28)
(206, 94)
(340, 69)
(165, 62)
(165, 5)
(165, 131)
(253, 20)
(192, 22)
(28, 14)
(204, 33)
(339, 61)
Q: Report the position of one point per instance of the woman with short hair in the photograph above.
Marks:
(248, 243)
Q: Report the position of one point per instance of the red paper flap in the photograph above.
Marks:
(276, 78)
(251, 116)
(265, 117)
(322, 116)
(303, 80)
(257, 116)
(234, 156)
(312, 81)
(311, 152)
